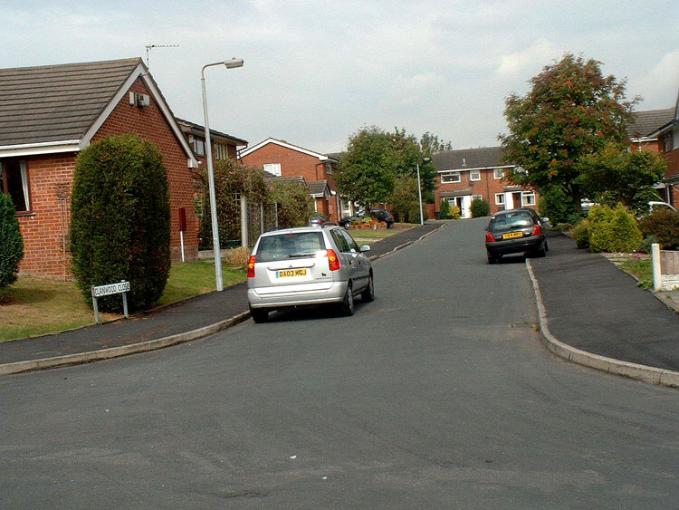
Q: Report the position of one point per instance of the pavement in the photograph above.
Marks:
(185, 321)
(596, 308)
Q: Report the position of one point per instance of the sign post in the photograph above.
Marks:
(123, 287)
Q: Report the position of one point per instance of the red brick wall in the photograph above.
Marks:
(150, 124)
(295, 164)
(653, 146)
(487, 187)
(672, 163)
(45, 227)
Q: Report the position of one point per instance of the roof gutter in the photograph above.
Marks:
(35, 149)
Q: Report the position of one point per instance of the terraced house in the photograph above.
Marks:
(466, 174)
(48, 114)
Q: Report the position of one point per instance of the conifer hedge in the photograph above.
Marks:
(120, 220)
(11, 242)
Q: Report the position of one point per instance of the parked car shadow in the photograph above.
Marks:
(310, 313)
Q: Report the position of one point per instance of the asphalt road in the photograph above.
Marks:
(437, 395)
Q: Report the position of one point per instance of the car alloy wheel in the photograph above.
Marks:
(347, 307)
(368, 293)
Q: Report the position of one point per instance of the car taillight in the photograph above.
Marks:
(537, 231)
(333, 261)
(251, 266)
(490, 238)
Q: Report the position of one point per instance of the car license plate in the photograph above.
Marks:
(291, 273)
(512, 235)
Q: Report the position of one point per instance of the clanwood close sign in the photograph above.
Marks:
(113, 288)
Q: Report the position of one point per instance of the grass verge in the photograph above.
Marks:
(36, 306)
(641, 269)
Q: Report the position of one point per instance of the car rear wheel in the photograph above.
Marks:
(347, 305)
(542, 250)
(492, 259)
(259, 315)
(368, 293)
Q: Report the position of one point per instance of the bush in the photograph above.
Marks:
(613, 230)
(580, 233)
(11, 242)
(479, 207)
(455, 212)
(663, 225)
(404, 200)
(120, 223)
(445, 210)
(294, 203)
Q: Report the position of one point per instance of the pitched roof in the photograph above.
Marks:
(287, 145)
(318, 188)
(200, 130)
(466, 159)
(57, 102)
(646, 122)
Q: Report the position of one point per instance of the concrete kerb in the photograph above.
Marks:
(150, 345)
(636, 371)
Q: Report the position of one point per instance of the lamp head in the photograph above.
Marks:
(233, 63)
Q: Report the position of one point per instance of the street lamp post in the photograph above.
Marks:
(216, 247)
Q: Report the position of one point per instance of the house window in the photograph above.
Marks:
(474, 175)
(199, 146)
(14, 180)
(498, 174)
(527, 198)
(450, 177)
(499, 199)
(222, 151)
(273, 168)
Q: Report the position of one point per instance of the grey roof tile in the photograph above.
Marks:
(57, 102)
(461, 159)
(646, 122)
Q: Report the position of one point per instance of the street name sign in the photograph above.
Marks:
(122, 287)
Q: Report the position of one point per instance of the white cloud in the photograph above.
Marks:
(658, 87)
(527, 61)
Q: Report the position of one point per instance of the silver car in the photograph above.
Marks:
(307, 266)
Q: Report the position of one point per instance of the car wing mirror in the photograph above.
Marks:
(364, 248)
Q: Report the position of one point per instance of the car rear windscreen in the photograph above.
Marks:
(290, 246)
(511, 221)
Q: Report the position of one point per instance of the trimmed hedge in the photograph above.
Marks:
(479, 207)
(11, 242)
(120, 220)
(444, 211)
(613, 230)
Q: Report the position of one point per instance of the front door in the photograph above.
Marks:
(465, 207)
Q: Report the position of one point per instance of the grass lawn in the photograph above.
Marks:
(640, 268)
(374, 236)
(38, 306)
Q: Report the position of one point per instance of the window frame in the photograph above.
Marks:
(502, 174)
(451, 173)
(499, 202)
(472, 173)
(199, 146)
(268, 166)
(25, 184)
(524, 197)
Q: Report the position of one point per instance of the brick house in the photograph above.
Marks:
(667, 135)
(48, 114)
(642, 130)
(283, 159)
(466, 174)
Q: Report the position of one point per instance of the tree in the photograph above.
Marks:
(11, 242)
(120, 222)
(616, 174)
(572, 110)
(375, 158)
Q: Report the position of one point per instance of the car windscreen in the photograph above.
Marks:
(289, 246)
(511, 221)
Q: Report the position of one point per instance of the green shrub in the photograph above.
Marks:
(445, 210)
(558, 206)
(120, 222)
(580, 233)
(455, 212)
(479, 207)
(294, 203)
(663, 225)
(613, 230)
(11, 242)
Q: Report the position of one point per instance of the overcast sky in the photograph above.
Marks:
(316, 71)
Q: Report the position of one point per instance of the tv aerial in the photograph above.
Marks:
(149, 47)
